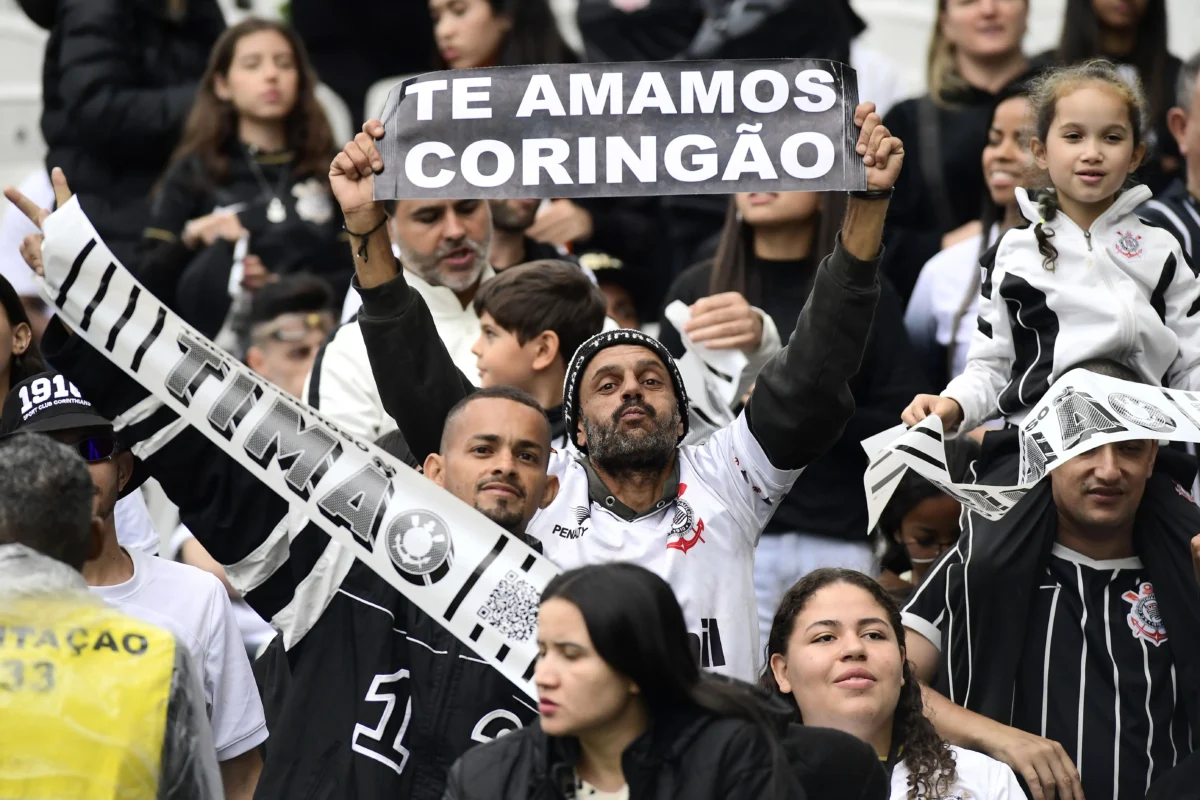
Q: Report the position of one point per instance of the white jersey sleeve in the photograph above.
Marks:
(989, 360)
(1182, 316)
(735, 467)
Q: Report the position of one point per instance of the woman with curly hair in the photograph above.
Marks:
(837, 648)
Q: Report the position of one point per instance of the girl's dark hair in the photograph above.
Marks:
(637, 627)
(929, 759)
(1056, 84)
(211, 126)
(29, 363)
(533, 36)
(1082, 39)
(736, 245)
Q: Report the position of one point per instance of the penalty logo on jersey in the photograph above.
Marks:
(1144, 619)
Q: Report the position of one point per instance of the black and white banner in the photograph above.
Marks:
(440, 553)
(1080, 412)
(601, 130)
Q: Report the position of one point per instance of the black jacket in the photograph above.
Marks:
(366, 696)
(117, 84)
(684, 755)
(195, 282)
(828, 499)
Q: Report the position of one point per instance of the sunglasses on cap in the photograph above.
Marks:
(96, 449)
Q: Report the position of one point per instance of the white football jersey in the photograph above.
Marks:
(701, 542)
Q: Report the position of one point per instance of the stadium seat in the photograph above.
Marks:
(338, 114)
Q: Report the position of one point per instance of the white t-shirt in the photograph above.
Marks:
(702, 544)
(979, 777)
(193, 605)
(940, 292)
(135, 529)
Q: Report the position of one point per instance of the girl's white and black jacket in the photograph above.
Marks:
(1122, 290)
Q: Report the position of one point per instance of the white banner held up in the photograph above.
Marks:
(1080, 412)
(710, 376)
(438, 552)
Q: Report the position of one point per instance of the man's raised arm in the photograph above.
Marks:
(802, 399)
(417, 380)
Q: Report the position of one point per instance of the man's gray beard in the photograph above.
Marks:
(618, 453)
(427, 266)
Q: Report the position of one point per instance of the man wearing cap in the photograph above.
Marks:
(190, 603)
(691, 514)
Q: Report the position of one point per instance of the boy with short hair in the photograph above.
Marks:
(533, 318)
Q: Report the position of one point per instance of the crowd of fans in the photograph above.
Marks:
(725, 625)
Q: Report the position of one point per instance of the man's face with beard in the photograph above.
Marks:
(629, 415)
(445, 242)
(494, 456)
(109, 475)
(513, 216)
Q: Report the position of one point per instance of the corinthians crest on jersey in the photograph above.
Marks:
(1144, 618)
(419, 544)
(686, 529)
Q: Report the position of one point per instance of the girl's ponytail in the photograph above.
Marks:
(1048, 208)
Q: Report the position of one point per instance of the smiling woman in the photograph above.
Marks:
(837, 653)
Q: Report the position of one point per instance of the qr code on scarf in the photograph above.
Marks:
(512, 607)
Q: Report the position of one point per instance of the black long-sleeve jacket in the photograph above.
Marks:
(367, 696)
(118, 81)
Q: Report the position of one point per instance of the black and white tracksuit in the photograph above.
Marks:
(1121, 290)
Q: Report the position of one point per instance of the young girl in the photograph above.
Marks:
(1088, 279)
(253, 161)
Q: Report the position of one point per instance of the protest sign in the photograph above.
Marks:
(602, 130)
(441, 554)
(1080, 412)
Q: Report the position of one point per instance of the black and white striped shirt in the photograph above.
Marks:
(1098, 677)
(1178, 212)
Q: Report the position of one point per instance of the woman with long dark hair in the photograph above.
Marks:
(767, 258)
(625, 710)
(942, 311)
(252, 165)
(1132, 33)
(837, 652)
(19, 354)
(497, 33)
(974, 53)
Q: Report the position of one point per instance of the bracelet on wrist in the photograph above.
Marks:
(873, 194)
(362, 247)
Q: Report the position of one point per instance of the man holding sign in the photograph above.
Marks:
(691, 514)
